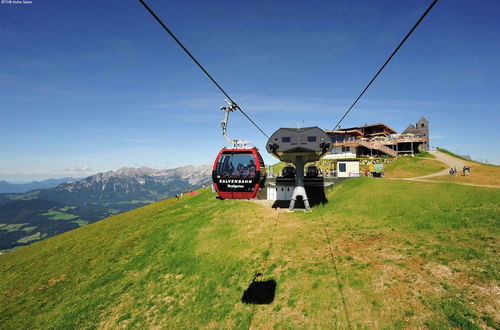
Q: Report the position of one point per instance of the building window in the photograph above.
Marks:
(346, 149)
(342, 167)
(311, 139)
(286, 139)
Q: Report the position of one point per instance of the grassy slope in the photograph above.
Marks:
(396, 254)
(425, 154)
(482, 174)
(408, 167)
(458, 156)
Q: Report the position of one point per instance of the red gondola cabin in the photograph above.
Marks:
(238, 173)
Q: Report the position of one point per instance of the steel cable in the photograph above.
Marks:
(200, 66)
(387, 61)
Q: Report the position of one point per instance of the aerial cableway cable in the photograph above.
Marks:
(199, 65)
(387, 61)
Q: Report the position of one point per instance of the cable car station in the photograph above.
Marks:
(299, 146)
(239, 171)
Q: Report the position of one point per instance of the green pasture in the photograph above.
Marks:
(380, 254)
(408, 167)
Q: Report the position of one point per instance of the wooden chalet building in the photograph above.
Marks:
(377, 140)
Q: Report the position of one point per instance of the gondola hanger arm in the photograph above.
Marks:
(230, 108)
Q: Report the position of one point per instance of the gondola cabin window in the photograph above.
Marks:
(236, 166)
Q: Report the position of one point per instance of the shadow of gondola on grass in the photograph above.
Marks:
(259, 292)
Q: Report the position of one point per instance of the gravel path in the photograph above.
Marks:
(449, 161)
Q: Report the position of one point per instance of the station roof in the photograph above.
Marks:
(362, 129)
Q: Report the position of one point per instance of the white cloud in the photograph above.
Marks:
(79, 169)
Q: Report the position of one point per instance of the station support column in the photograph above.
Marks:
(299, 189)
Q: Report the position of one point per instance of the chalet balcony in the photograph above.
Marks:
(353, 142)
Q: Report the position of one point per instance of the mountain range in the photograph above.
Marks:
(37, 214)
(6, 187)
(129, 184)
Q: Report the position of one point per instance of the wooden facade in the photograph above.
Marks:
(376, 140)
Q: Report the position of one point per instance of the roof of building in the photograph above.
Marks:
(300, 129)
(410, 127)
(361, 128)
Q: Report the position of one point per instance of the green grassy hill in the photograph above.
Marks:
(408, 167)
(481, 174)
(380, 254)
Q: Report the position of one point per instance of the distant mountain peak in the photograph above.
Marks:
(126, 171)
(148, 171)
(131, 183)
(6, 187)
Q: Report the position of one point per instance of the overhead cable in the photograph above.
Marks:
(387, 61)
(199, 65)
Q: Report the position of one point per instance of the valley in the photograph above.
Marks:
(36, 215)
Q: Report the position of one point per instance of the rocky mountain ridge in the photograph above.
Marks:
(29, 217)
(128, 184)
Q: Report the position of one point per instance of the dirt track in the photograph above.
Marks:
(449, 161)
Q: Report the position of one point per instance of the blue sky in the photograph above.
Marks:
(89, 86)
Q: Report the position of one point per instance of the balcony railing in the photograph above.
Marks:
(351, 141)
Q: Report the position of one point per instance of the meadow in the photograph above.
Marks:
(409, 167)
(380, 254)
(481, 174)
